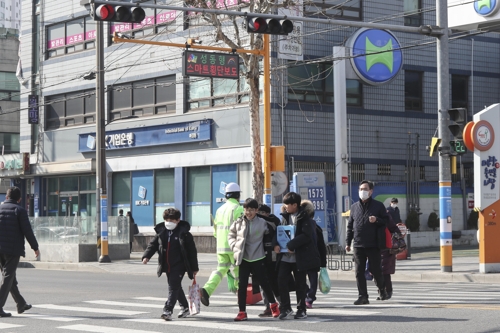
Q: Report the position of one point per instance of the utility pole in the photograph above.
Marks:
(443, 82)
(100, 148)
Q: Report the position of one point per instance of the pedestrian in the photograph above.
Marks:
(246, 240)
(132, 229)
(224, 217)
(265, 212)
(14, 227)
(319, 240)
(302, 255)
(393, 211)
(176, 255)
(367, 221)
(388, 260)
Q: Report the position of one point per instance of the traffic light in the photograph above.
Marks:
(457, 118)
(112, 13)
(269, 26)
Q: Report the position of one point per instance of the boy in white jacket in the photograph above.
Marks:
(246, 240)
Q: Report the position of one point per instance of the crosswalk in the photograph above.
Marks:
(142, 314)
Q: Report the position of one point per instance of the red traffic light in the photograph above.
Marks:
(119, 14)
(269, 26)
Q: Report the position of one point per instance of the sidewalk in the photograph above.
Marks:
(424, 266)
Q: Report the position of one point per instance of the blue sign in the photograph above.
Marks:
(195, 131)
(486, 7)
(376, 55)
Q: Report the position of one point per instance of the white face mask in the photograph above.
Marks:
(394, 205)
(363, 195)
(170, 225)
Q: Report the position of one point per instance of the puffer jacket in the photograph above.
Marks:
(159, 245)
(303, 244)
(319, 239)
(14, 227)
(241, 230)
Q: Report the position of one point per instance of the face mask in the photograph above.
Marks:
(170, 225)
(394, 205)
(363, 195)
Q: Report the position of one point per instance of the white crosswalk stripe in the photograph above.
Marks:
(85, 309)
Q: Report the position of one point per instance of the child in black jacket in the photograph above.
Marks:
(176, 255)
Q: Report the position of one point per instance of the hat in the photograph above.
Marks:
(394, 200)
(232, 187)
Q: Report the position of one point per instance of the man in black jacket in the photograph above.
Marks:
(366, 226)
(14, 227)
(393, 210)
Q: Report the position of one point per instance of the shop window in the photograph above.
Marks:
(460, 91)
(87, 183)
(71, 36)
(156, 21)
(338, 9)
(313, 83)
(198, 196)
(68, 184)
(121, 188)
(9, 87)
(245, 180)
(76, 108)
(413, 91)
(143, 98)
(412, 13)
(164, 192)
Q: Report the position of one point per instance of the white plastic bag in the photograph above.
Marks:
(194, 298)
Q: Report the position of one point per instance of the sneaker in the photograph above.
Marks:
(309, 305)
(286, 314)
(183, 313)
(204, 297)
(267, 313)
(362, 300)
(301, 314)
(166, 315)
(242, 315)
(275, 310)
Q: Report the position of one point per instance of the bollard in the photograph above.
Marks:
(408, 245)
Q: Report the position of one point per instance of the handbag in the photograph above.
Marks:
(398, 244)
(324, 281)
(194, 298)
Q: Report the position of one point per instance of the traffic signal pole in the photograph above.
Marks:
(267, 122)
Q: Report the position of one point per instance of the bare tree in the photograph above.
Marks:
(252, 75)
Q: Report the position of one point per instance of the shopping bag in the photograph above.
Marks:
(230, 283)
(194, 298)
(324, 281)
(398, 244)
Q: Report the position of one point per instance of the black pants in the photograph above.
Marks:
(257, 269)
(175, 292)
(313, 285)
(284, 271)
(361, 254)
(8, 265)
(388, 283)
(272, 276)
(16, 295)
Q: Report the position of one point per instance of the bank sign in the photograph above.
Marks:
(471, 15)
(376, 55)
(194, 131)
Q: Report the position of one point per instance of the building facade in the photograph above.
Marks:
(190, 135)
(10, 14)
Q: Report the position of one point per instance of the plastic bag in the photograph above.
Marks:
(324, 281)
(368, 274)
(194, 298)
(230, 283)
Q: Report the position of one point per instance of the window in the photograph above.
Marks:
(9, 87)
(155, 21)
(71, 36)
(313, 83)
(459, 91)
(210, 92)
(357, 172)
(143, 98)
(383, 169)
(9, 142)
(422, 172)
(413, 16)
(339, 9)
(121, 191)
(164, 192)
(198, 196)
(413, 91)
(70, 109)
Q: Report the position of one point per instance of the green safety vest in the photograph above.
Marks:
(224, 217)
